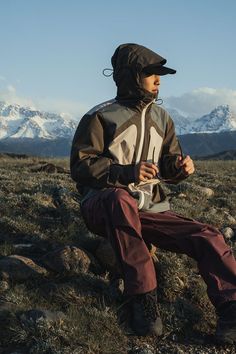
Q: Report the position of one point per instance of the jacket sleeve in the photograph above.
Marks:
(89, 164)
(171, 150)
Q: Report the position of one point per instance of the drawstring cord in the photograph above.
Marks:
(106, 74)
(159, 101)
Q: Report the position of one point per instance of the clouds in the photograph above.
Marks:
(202, 100)
(9, 94)
(192, 104)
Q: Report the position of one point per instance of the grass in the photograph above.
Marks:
(42, 209)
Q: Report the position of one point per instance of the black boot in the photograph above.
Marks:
(226, 325)
(145, 317)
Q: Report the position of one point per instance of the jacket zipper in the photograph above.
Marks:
(141, 143)
(138, 157)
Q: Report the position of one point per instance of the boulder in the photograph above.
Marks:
(69, 259)
(17, 267)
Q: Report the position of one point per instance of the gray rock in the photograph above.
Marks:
(69, 259)
(186, 187)
(228, 232)
(4, 285)
(206, 191)
(182, 195)
(17, 267)
(38, 315)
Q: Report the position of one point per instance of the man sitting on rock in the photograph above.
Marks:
(122, 150)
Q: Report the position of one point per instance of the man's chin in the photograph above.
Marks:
(155, 94)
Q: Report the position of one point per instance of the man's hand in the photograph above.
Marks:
(145, 171)
(186, 164)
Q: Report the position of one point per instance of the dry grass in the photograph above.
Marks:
(42, 209)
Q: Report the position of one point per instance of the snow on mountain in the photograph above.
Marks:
(27, 122)
(221, 119)
(181, 122)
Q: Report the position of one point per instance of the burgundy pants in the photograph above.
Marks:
(113, 214)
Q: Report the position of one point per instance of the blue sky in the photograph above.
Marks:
(53, 52)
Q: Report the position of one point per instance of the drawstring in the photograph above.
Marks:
(159, 101)
(107, 69)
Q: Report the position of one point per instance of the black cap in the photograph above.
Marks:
(158, 69)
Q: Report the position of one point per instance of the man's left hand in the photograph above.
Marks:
(186, 164)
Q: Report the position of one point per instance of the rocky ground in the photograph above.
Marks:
(57, 294)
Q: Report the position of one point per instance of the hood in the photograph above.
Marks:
(128, 62)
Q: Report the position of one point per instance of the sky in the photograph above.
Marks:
(52, 52)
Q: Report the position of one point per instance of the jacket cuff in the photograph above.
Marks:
(121, 174)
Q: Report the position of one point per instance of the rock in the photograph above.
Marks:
(182, 195)
(184, 187)
(206, 191)
(69, 259)
(49, 168)
(4, 286)
(17, 267)
(38, 315)
(7, 307)
(228, 232)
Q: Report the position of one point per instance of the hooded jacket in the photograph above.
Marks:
(113, 137)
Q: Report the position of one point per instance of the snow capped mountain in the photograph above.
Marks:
(221, 119)
(27, 122)
(181, 122)
(17, 122)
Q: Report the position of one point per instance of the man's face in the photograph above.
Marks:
(151, 83)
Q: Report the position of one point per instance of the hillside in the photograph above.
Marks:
(56, 296)
(208, 144)
(223, 155)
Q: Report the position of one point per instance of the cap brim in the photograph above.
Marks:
(158, 70)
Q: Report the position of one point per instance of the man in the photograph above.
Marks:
(121, 151)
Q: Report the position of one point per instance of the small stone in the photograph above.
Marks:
(69, 259)
(228, 232)
(36, 315)
(182, 195)
(4, 286)
(17, 267)
(207, 191)
(179, 351)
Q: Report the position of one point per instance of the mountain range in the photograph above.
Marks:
(18, 122)
(221, 119)
(28, 130)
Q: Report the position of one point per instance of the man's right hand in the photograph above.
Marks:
(145, 170)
